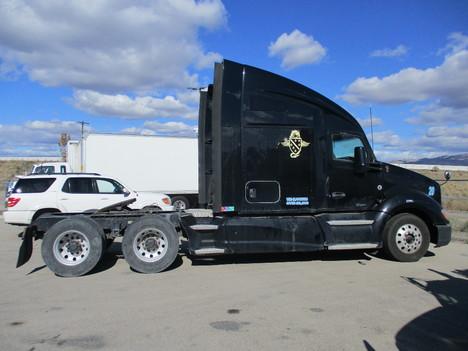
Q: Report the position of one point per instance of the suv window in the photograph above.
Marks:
(78, 186)
(344, 144)
(36, 185)
(108, 186)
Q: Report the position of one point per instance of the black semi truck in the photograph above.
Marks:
(281, 169)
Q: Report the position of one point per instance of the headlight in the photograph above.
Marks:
(166, 200)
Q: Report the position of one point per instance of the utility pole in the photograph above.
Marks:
(83, 123)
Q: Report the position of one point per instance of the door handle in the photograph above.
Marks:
(104, 198)
(65, 198)
(338, 195)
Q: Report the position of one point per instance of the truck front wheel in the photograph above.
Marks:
(406, 238)
(72, 247)
(150, 245)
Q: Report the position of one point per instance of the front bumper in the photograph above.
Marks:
(444, 234)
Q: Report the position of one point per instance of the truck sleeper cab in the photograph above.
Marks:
(281, 169)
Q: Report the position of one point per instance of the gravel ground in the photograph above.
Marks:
(321, 301)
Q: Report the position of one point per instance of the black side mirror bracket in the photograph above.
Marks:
(447, 176)
(360, 160)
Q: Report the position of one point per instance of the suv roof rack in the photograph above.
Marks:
(67, 173)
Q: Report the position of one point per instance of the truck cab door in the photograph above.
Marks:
(350, 189)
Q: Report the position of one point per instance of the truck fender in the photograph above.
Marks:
(415, 203)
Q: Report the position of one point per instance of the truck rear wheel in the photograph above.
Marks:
(150, 245)
(72, 247)
(406, 238)
(180, 203)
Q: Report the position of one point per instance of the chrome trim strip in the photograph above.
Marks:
(204, 227)
(209, 251)
(352, 246)
(351, 222)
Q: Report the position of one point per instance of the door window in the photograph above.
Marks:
(79, 186)
(344, 145)
(108, 186)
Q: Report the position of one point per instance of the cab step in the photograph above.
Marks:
(204, 227)
(209, 251)
(353, 246)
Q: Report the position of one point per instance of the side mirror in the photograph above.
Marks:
(447, 175)
(126, 192)
(360, 161)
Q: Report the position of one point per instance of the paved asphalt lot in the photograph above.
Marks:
(321, 301)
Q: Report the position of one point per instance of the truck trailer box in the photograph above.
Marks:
(144, 163)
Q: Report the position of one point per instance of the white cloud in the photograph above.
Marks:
(400, 50)
(446, 83)
(296, 49)
(387, 138)
(35, 138)
(108, 46)
(447, 132)
(436, 141)
(456, 42)
(366, 122)
(132, 108)
(436, 114)
(167, 128)
(208, 60)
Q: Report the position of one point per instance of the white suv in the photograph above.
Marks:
(35, 195)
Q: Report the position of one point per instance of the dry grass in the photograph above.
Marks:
(459, 222)
(9, 169)
(453, 188)
(454, 193)
(454, 197)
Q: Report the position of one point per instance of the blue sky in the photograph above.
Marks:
(124, 66)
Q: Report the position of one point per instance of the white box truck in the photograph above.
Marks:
(144, 163)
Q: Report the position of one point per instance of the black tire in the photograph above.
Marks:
(164, 247)
(82, 227)
(180, 203)
(406, 238)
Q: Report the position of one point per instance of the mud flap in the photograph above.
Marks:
(26, 248)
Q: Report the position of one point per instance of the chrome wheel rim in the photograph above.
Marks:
(408, 238)
(179, 205)
(150, 245)
(71, 247)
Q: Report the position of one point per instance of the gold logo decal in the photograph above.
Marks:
(295, 143)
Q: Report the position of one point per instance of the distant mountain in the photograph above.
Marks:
(448, 160)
